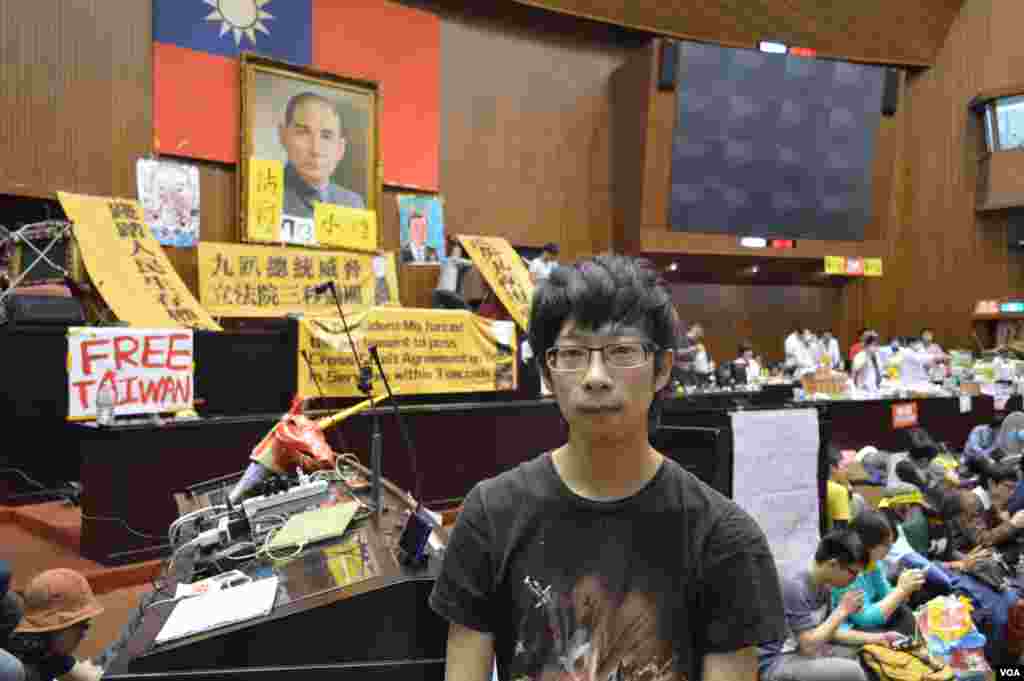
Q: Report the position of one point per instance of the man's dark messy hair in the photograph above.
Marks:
(593, 292)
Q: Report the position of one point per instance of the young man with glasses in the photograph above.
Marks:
(805, 653)
(603, 559)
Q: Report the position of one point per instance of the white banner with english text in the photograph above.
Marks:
(150, 371)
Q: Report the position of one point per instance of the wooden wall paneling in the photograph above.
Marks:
(657, 175)
(909, 32)
(943, 256)
(630, 99)
(1001, 180)
(525, 128)
(76, 96)
(763, 315)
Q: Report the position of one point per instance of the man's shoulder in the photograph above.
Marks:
(345, 197)
(508, 489)
(725, 528)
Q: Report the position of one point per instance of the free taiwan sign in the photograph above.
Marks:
(149, 370)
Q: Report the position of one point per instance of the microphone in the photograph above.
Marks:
(324, 288)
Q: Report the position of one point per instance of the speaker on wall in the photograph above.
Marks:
(1015, 229)
(891, 92)
(669, 64)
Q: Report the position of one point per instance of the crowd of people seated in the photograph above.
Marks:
(945, 525)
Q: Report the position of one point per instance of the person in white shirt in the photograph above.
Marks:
(915, 362)
(868, 370)
(831, 344)
(446, 295)
(799, 357)
(746, 359)
(701, 359)
(542, 265)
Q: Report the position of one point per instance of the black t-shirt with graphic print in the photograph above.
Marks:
(638, 589)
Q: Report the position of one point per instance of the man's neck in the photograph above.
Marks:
(313, 187)
(817, 578)
(608, 468)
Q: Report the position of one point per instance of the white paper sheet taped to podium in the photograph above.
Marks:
(219, 609)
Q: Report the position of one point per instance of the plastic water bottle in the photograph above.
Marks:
(105, 400)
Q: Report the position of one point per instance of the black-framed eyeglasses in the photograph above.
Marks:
(615, 355)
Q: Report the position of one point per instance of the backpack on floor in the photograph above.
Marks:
(886, 664)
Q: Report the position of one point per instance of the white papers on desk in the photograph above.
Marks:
(775, 479)
(219, 609)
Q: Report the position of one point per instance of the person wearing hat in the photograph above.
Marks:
(58, 608)
(11, 668)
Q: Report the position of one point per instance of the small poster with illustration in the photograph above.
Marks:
(421, 234)
(169, 194)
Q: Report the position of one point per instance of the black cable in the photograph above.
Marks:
(124, 524)
(67, 497)
(312, 374)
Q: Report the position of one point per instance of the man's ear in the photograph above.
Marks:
(663, 368)
(342, 146)
(545, 377)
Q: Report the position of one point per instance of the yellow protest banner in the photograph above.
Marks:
(264, 200)
(242, 280)
(872, 267)
(346, 228)
(423, 351)
(128, 266)
(503, 269)
(835, 264)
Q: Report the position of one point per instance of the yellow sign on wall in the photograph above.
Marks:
(240, 280)
(503, 269)
(835, 264)
(872, 267)
(128, 266)
(265, 199)
(423, 352)
(346, 228)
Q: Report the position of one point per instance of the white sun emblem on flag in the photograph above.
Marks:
(241, 17)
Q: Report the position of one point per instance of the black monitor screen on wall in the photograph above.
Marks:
(773, 145)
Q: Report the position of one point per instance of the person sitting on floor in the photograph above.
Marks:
(884, 606)
(838, 498)
(807, 654)
(10, 614)
(58, 608)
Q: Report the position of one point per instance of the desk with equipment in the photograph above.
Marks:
(348, 607)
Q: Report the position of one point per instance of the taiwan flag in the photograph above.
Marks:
(196, 88)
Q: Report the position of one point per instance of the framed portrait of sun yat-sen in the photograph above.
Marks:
(309, 171)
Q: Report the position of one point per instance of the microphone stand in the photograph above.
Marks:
(366, 387)
(412, 545)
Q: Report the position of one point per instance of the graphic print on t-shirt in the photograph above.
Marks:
(592, 633)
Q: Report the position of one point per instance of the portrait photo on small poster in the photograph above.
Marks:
(320, 130)
(421, 232)
(169, 194)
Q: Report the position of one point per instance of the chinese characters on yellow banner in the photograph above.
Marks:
(238, 280)
(265, 199)
(347, 228)
(129, 267)
(422, 351)
(331, 226)
(842, 265)
(504, 271)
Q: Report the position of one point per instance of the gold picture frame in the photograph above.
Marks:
(289, 118)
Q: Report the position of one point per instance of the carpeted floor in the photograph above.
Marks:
(29, 553)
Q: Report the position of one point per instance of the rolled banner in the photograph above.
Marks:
(334, 420)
